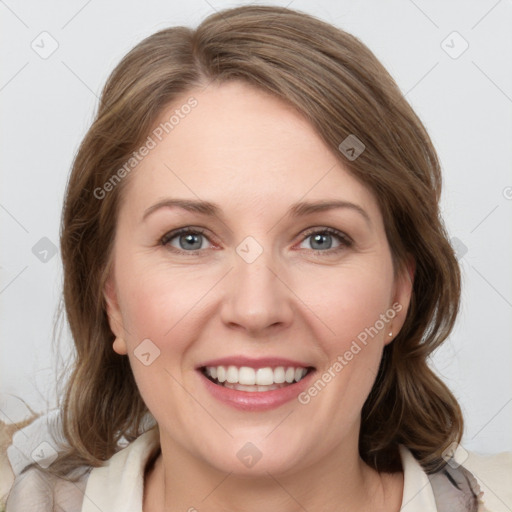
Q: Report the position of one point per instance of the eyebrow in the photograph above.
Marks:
(299, 209)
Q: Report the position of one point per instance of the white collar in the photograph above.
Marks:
(418, 494)
(118, 486)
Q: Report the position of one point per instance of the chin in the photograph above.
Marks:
(257, 458)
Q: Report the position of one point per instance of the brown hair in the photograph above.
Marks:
(342, 89)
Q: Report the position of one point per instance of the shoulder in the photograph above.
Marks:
(494, 475)
(37, 490)
(469, 482)
(27, 484)
(118, 485)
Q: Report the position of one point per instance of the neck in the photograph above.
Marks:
(340, 481)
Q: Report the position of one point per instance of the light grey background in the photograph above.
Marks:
(464, 100)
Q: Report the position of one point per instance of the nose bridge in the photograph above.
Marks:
(256, 297)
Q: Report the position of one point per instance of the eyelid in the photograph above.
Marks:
(331, 231)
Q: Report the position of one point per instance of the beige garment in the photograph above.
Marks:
(118, 485)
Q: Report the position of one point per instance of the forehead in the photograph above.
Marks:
(243, 147)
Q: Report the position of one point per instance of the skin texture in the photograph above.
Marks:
(254, 156)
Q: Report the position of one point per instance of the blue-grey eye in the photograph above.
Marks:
(321, 241)
(186, 240)
(191, 241)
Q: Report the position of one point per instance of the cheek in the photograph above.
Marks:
(167, 306)
(356, 305)
(351, 306)
(164, 307)
(348, 301)
(157, 300)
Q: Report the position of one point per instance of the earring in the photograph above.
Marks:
(390, 334)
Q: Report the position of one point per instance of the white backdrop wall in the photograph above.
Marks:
(451, 59)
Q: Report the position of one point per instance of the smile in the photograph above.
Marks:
(254, 385)
(246, 378)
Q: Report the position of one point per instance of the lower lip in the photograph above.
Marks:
(257, 400)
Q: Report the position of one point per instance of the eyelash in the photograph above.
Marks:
(345, 241)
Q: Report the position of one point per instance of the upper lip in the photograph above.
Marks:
(262, 362)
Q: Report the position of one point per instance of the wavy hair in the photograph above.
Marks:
(341, 88)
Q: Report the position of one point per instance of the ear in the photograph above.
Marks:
(115, 319)
(402, 296)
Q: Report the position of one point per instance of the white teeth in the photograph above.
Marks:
(232, 374)
(251, 379)
(247, 376)
(264, 376)
(252, 389)
(221, 373)
(279, 375)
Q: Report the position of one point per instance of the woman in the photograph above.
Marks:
(254, 260)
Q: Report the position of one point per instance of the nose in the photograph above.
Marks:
(257, 299)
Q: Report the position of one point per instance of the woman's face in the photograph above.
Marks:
(258, 286)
